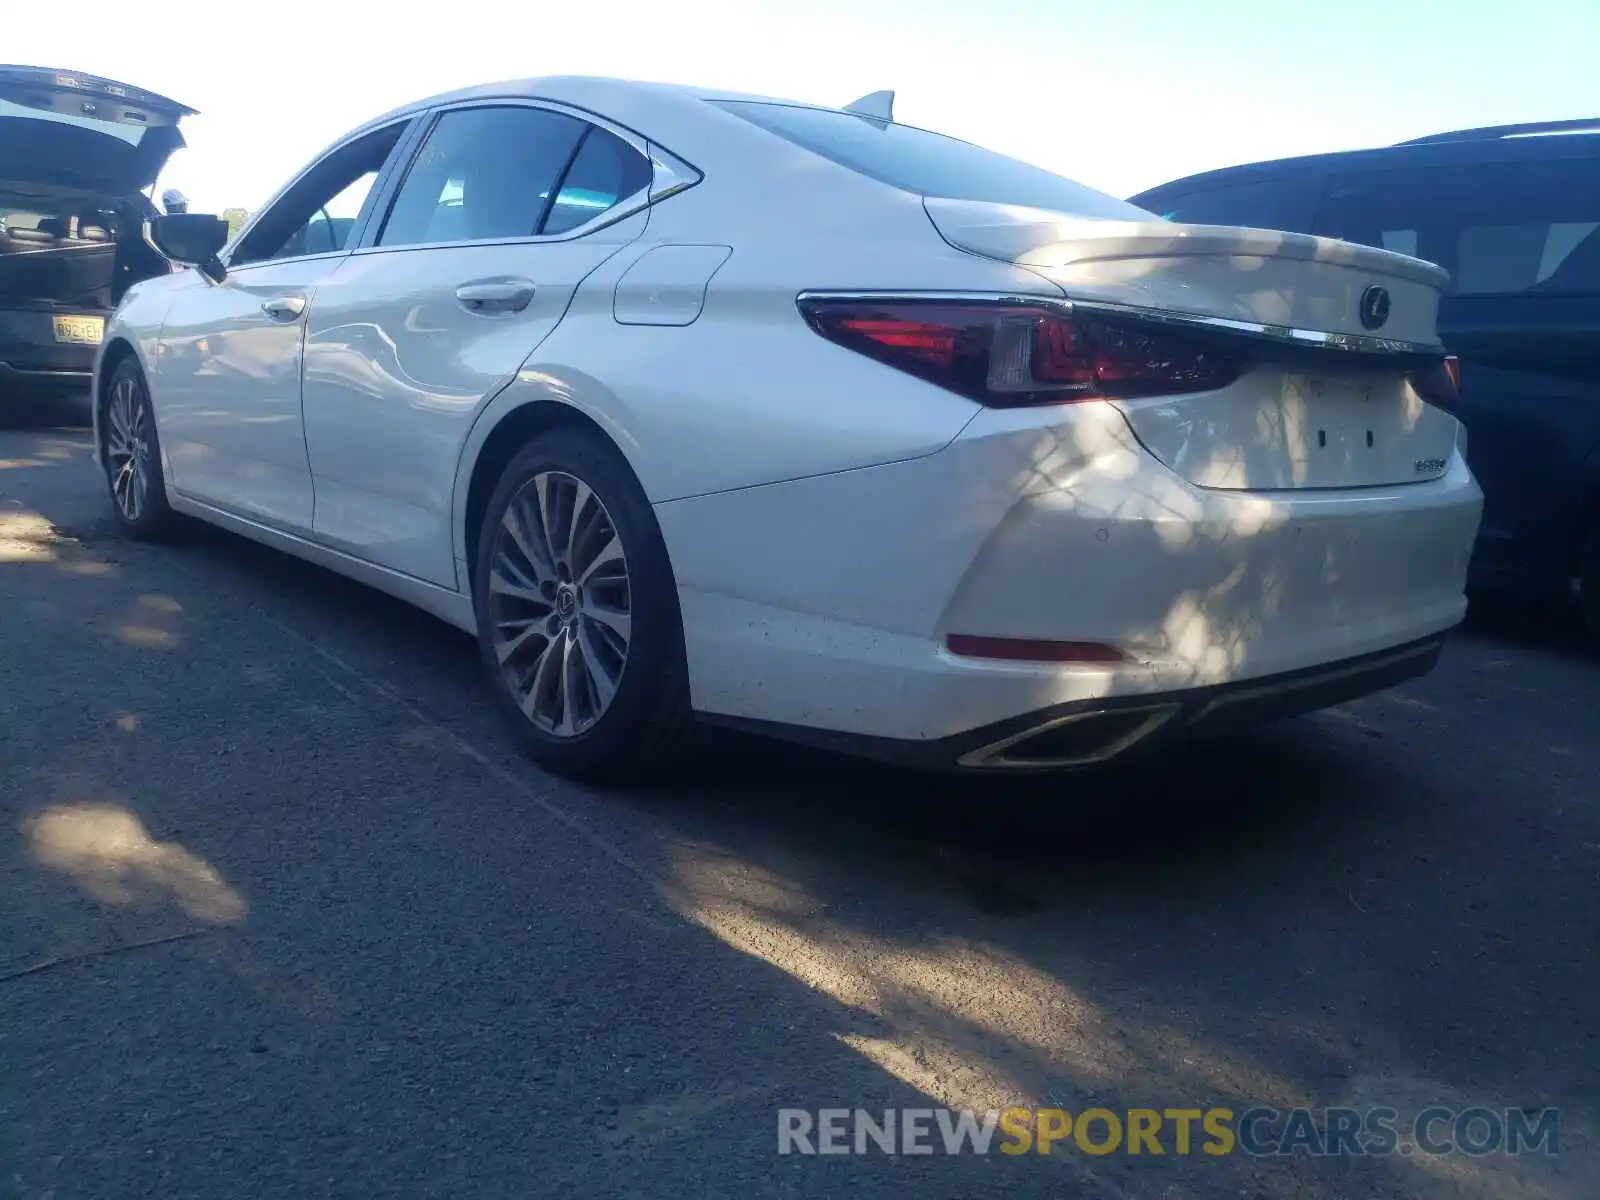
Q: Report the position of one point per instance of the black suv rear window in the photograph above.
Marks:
(1498, 228)
(1261, 204)
(927, 164)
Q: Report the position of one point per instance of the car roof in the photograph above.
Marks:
(1500, 144)
(598, 93)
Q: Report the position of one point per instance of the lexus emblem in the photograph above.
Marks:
(1374, 307)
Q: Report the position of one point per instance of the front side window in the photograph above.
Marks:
(483, 174)
(318, 214)
(330, 227)
(1498, 228)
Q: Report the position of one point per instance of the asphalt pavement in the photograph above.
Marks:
(286, 913)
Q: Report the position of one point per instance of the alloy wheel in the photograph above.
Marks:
(128, 449)
(559, 603)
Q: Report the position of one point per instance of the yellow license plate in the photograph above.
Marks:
(82, 330)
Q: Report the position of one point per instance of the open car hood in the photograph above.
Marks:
(67, 129)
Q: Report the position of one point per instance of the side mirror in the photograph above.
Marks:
(192, 240)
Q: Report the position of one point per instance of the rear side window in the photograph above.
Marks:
(1498, 228)
(489, 174)
(1263, 204)
(482, 175)
(927, 164)
(606, 170)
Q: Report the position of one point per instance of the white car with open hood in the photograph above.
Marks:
(702, 406)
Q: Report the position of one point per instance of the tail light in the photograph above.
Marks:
(1440, 385)
(1032, 650)
(1006, 354)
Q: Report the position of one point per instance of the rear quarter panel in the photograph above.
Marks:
(747, 394)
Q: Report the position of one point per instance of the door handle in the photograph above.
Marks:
(496, 295)
(284, 308)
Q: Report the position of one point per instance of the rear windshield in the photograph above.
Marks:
(928, 164)
(1498, 228)
(1262, 204)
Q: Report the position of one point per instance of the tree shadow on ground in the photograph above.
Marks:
(447, 989)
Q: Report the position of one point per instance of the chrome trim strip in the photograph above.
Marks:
(672, 174)
(891, 297)
(991, 756)
(1314, 339)
(1287, 686)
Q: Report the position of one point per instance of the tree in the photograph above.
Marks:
(235, 217)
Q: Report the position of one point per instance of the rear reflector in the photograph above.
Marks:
(1032, 650)
(1009, 354)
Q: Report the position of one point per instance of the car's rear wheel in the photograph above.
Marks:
(130, 449)
(577, 612)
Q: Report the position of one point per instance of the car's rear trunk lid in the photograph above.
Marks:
(1333, 331)
(64, 128)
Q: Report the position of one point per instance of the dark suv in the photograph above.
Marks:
(1513, 213)
(77, 155)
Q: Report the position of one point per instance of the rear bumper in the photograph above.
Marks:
(45, 385)
(826, 603)
(1089, 733)
(34, 364)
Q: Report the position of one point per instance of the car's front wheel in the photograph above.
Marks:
(577, 611)
(130, 450)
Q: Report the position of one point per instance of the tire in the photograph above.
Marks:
(583, 648)
(130, 452)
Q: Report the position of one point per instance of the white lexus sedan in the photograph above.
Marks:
(698, 406)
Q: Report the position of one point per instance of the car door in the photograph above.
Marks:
(1521, 240)
(227, 380)
(503, 211)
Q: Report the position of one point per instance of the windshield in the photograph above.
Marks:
(928, 164)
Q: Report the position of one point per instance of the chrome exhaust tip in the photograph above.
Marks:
(1077, 740)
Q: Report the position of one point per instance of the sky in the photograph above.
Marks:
(1118, 94)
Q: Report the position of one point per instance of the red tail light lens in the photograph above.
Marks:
(1032, 650)
(1441, 385)
(1006, 354)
